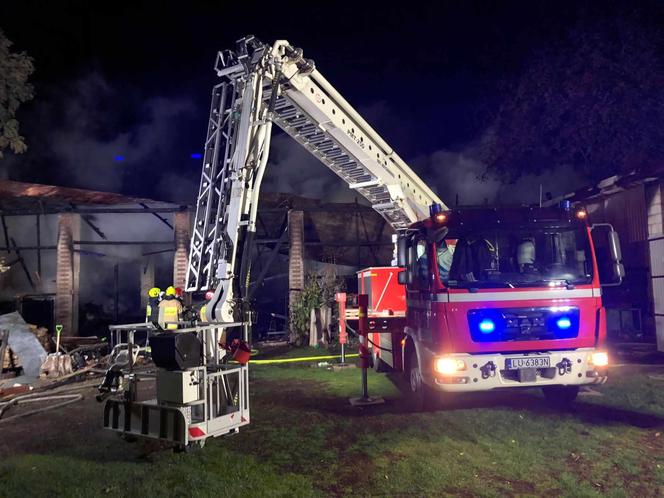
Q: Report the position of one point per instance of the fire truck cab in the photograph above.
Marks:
(496, 298)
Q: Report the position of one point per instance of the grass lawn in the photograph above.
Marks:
(306, 440)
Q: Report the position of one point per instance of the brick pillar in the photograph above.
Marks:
(147, 280)
(295, 257)
(67, 274)
(181, 225)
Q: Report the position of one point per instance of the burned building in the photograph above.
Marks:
(70, 252)
(83, 258)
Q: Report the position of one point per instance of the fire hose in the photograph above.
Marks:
(368, 340)
(34, 398)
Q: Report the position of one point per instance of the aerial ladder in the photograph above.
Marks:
(260, 85)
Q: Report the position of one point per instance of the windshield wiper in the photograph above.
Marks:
(474, 285)
(568, 283)
(512, 284)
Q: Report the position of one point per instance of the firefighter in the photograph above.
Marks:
(170, 310)
(444, 256)
(525, 255)
(152, 310)
(472, 257)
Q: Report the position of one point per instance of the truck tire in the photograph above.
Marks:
(421, 396)
(560, 395)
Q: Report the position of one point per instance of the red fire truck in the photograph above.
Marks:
(481, 298)
(493, 298)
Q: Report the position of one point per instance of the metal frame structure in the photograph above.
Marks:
(261, 85)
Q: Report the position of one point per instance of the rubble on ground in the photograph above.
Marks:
(24, 344)
(43, 336)
(28, 359)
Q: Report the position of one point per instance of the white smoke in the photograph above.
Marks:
(292, 169)
(461, 174)
(88, 133)
(450, 173)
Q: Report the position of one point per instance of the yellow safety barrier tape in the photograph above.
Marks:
(293, 360)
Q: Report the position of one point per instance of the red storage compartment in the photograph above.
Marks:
(386, 295)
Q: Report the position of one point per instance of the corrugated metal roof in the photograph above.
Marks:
(611, 185)
(10, 189)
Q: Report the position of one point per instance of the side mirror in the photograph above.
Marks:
(614, 246)
(402, 253)
(619, 271)
(608, 255)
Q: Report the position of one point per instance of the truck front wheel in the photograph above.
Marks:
(560, 395)
(422, 397)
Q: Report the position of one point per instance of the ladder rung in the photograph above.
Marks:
(369, 183)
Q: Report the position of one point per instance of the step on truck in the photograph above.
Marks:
(489, 298)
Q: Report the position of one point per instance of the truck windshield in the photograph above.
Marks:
(514, 257)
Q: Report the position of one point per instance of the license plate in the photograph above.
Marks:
(527, 362)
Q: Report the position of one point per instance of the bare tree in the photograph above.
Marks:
(593, 100)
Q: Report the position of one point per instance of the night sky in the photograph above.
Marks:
(122, 91)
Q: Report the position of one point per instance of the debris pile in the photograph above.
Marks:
(56, 365)
(39, 371)
(42, 335)
(10, 364)
(29, 352)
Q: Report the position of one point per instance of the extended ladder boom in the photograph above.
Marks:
(261, 85)
(311, 111)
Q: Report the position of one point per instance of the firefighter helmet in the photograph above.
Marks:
(170, 290)
(154, 292)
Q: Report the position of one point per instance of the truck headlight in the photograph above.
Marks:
(449, 366)
(599, 359)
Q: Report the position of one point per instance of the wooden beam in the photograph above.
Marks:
(22, 261)
(160, 218)
(121, 242)
(268, 263)
(6, 232)
(95, 228)
(39, 260)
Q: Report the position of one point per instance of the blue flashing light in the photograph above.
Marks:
(435, 208)
(196, 155)
(119, 158)
(565, 205)
(563, 323)
(487, 326)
